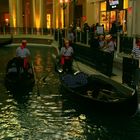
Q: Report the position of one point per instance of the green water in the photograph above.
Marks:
(49, 116)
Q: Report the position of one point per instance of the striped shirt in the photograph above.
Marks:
(23, 53)
(136, 51)
(110, 47)
(66, 52)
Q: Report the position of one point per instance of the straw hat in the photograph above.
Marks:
(101, 36)
(108, 37)
(66, 40)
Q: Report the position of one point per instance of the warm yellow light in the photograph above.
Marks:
(37, 21)
(48, 20)
(14, 16)
(125, 4)
(37, 13)
(14, 22)
(6, 19)
(62, 18)
(57, 23)
(103, 6)
(61, 1)
(64, 1)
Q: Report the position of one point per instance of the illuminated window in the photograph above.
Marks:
(103, 6)
(103, 15)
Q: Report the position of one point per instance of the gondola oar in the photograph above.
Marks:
(36, 83)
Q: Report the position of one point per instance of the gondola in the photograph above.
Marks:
(18, 80)
(6, 41)
(99, 94)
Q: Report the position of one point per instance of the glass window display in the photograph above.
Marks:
(113, 2)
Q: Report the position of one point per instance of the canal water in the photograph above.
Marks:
(46, 115)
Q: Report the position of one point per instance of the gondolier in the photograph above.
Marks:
(23, 54)
(66, 53)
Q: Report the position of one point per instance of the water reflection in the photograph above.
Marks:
(38, 63)
(50, 116)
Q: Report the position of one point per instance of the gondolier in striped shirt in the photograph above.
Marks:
(23, 54)
(136, 49)
(66, 53)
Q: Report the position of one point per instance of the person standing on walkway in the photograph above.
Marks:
(23, 54)
(110, 46)
(70, 36)
(102, 42)
(66, 53)
(109, 54)
(113, 30)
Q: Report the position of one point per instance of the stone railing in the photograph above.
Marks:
(23, 30)
(124, 43)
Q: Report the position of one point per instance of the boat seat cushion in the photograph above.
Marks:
(74, 81)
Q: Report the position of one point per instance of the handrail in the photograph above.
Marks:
(124, 43)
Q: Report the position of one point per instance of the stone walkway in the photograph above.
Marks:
(117, 70)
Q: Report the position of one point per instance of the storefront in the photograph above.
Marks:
(113, 11)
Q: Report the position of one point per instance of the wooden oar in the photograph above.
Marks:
(36, 83)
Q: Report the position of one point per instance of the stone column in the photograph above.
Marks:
(57, 15)
(43, 14)
(12, 12)
(19, 14)
(137, 17)
(54, 15)
(91, 15)
(15, 10)
(38, 8)
(130, 20)
(67, 16)
(97, 12)
(94, 16)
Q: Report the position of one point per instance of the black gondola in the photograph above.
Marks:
(99, 93)
(18, 80)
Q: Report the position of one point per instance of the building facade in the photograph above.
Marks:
(127, 14)
(61, 13)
